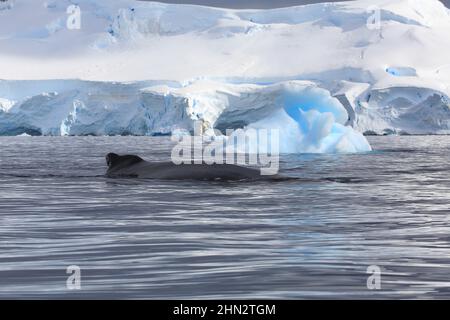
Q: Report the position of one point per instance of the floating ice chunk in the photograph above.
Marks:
(180, 132)
(24, 135)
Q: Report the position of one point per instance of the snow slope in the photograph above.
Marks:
(393, 79)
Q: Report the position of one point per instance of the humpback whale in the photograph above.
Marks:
(136, 167)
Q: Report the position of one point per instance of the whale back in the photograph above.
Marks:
(114, 161)
(135, 167)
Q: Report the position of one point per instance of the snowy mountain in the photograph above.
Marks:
(150, 68)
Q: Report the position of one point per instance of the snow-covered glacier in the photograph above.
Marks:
(322, 74)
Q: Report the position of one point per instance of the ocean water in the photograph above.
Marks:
(309, 238)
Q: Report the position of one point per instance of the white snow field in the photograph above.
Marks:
(320, 73)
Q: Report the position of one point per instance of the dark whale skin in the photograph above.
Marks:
(135, 167)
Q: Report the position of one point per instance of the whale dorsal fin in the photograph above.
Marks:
(113, 160)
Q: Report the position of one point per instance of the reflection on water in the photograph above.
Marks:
(307, 238)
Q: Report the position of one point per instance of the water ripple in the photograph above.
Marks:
(312, 237)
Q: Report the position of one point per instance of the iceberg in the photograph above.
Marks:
(308, 120)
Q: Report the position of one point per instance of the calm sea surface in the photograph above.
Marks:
(307, 238)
